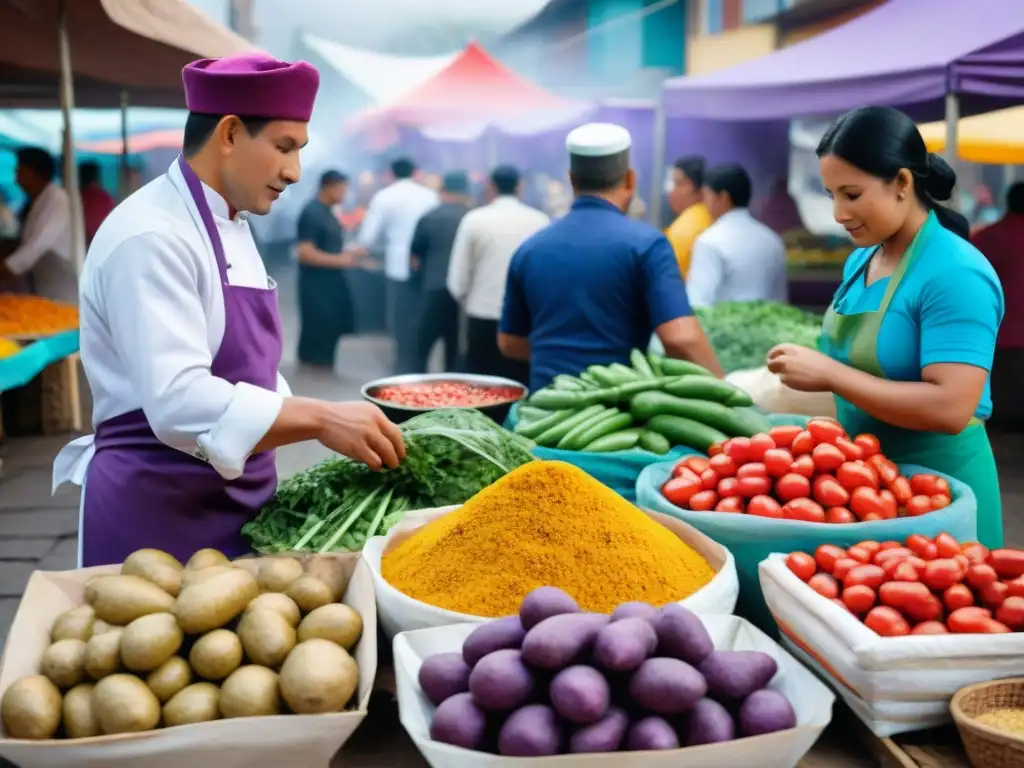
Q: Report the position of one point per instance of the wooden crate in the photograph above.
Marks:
(50, 404)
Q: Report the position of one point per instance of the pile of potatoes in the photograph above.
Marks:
(167, 644)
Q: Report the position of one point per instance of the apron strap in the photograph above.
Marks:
(195, 188)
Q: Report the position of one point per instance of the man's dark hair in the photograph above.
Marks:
(403, 168)
(199, 127)
(593, 175)
(1015, 198)
(732, 178)
(455, 183)
(505, 179)
(38, 160)
(88, 173)
(692, 167)
(332, 177)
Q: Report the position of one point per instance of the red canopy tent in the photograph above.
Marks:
(472, 88)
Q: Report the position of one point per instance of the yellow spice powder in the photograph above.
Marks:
(545, 524)
(1009, 720)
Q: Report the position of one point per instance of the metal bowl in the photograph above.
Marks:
(399, 413)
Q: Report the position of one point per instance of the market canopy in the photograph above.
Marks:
(137, 47)
(905, 53)
(996, 138)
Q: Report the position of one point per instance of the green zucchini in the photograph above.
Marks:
(708, 388)
(655, 362)
(647, 405)
(569, 438)
(624, 372)
(528, 413)
(567, 383)
(608, 424)
(557, 400)
(655, 442)
(627, 391)
(671, 366)
(640, 364)
(755, 420)
(532, 429)
(679, 430)
(588, 378)
(605, 376)
(550, 437)
(623, 440)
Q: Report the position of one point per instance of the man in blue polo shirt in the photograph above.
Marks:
(595, 284)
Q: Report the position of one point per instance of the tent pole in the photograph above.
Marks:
(67, 105)
(658, 166)
(952, 123)
(124, 144)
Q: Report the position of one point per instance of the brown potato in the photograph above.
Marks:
(103, 654)
(79, 718)
(336, 622)
(123, 704)
(267, 637)
(74, 624)
(318, 676)
(275, 601)
(250, 564)
(156, 566)
(204, 558)
(31, 708)
(250, 691)
(169, 678)
(331, 572)
(100, 627)
(64, 663)
(191, 578)
(121, 600)
(196, 704)
(149, 641)
(277, 573)
(216, 654)
(309, 593)
(212, 604)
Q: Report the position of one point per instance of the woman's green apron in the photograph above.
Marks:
(853, 340)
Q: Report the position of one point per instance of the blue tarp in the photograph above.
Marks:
(18, 370)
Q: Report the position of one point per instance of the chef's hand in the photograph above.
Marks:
(802, 368)
(362, 432)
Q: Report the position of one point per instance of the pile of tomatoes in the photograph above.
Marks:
(922, 586)
(447, 394)
(816, 474)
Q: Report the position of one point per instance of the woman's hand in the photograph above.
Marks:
(802, 368)
(362, 432)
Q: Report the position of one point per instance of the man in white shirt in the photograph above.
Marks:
(737, 258)
(486, 240)
(44, 253)
(390, 220)
(181, 335)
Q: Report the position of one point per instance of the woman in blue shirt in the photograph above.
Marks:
(907, 344)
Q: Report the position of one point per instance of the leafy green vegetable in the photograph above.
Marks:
(742, 333)
(338, 504)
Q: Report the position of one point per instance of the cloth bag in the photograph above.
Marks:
(770, 394)
(752, 539)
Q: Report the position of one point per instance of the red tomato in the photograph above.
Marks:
(679, 490)
(930, 628)
(890, 509)
(868, 575)
(868, 445)
(792, 486)
(1016, 587)
(969, 621)
(905, 571)
(784, 434)
(703, 501)
(696, 464)
(859, 598)
(948, 546)
(764, 506)
(714, 449)
(839, 516)
(804, 510)
(759, 445)
(873, 547)
(980, 576)
(724, 465)
(738, 449)
(942, 574)
(901, 489)
(752, 469)
(940, 501)
(885, 545)
(709, 479)
(928, 485)
(1011, 613)
(825, 430)
(924, 610)
(802, 444)
(777, 461)
(733, 504)
(975, 553)
(828, 492)
(802, 564)
(958, 596)
(886, 622)
(850, 449)
(804, 465)
(749, 487)
(852, 476)
(728, 487)
(824, 585)
(918, 505)
(826, 556)
(922, 546)
(839, 601)
(886, 554)
(843, 566)
(964, 562)
(993, 595)
(827, 458)
(899, 594)
(860, 554)
(866, 501)
(890, 566)
(1009, 563)
(887, 471)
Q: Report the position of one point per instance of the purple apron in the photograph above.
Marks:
(140, 492)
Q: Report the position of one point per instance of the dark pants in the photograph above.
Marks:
(438, 319)
(325, 312)
(1007, 404)
(483, 356)
(403, 316)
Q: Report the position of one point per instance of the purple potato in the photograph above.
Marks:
(708, 723)
(651, 733)
(493, 636)
(605, 735)
(459, 722)
(443, 675)
(765, 711)
(734, 675)
(543, 603)
(557, 642)
(682, 635)
(624, 645)
(580, 694)
(501, 682)
(667, 686)
(637, 610)
(533, 731)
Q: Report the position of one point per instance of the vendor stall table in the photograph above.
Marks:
(813, 287)
(43, 379)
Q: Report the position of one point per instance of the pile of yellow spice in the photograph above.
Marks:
(547, 523)
(1008, 720)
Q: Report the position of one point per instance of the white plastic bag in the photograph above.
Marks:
(894, 684)
(768, 392)
(398, 612)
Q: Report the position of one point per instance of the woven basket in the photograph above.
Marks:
(987, 747)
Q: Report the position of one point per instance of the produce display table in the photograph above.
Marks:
(54, 360)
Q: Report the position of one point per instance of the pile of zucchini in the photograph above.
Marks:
(655, 404)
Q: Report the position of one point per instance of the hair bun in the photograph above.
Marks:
(940, 180)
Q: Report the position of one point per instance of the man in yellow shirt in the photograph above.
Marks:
(692, 217)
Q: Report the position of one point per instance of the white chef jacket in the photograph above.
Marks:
(152, 320)
(391, 219)
(737, 258)
(45, 250)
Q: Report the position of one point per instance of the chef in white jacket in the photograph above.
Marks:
(181, 335)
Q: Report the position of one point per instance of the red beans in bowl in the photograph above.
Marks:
(447, 394)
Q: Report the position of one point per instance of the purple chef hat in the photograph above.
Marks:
(251, 85)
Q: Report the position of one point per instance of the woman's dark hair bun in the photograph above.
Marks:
(940, 180)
